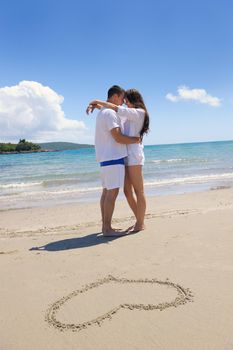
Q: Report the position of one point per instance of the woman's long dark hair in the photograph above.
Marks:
(134, 97)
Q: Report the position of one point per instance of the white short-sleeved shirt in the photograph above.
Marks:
(106, 147)
(133, 119)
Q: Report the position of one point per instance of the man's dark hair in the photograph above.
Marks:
(115, 89)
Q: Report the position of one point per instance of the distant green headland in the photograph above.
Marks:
(21, 146)
(24, 146)
(63, 146)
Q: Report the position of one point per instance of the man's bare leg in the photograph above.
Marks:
(102, 199)
(108, 208)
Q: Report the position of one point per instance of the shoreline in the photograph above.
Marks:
(74, 213)
(87, 196)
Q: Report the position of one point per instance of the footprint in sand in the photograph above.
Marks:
(9, 252)
(102, 299)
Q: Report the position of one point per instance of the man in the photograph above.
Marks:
(110, 146)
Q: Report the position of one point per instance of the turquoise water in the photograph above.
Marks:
(42, 179)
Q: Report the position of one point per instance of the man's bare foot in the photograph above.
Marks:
(114, 233)
(114, 229)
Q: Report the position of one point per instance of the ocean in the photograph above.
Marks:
(53, 178)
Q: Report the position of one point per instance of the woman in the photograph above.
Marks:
(136, 123)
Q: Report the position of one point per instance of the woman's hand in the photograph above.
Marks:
(99, 104)
(90, 109)
(92, 106)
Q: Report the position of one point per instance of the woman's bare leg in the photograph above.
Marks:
(136, 179)
(129, 192)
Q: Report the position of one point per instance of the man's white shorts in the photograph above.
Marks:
(112, 176)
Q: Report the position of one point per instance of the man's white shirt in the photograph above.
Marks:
(106, 147)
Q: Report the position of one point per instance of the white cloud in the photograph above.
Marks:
(199, 95)
(172, 98)
(33, 111)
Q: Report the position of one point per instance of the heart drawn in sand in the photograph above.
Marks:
(109, 297)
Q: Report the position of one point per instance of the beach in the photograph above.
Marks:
(64, 286)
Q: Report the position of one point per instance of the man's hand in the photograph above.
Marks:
(120, 138)
(137, 139)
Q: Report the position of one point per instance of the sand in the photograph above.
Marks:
(64, 286)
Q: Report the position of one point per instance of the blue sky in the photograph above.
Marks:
(79, 49)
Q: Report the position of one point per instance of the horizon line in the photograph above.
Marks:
(154, 144)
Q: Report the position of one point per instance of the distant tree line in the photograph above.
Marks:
(21, 146)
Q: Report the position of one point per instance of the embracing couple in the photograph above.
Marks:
(119, 150)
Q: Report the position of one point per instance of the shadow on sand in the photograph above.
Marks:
(78, 242)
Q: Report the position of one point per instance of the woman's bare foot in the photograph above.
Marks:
(130, 228)
(114, 233)
(137, 228)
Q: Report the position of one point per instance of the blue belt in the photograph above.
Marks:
(113, 162)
